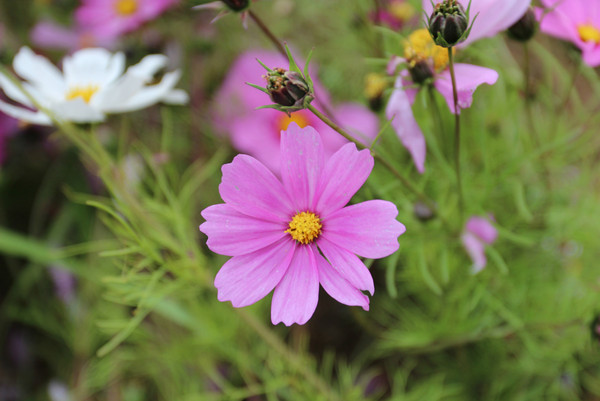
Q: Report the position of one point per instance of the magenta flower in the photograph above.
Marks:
(50, 35)
(257, 132)
(293, 234)
(577, 21)
(113, 18)
(428, 65)
(394, 14)
(493, 16)
(478, 232)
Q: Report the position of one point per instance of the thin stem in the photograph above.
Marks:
(268, 33)
(461, 202)
(375, 155)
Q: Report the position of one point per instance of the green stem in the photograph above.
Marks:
(375, 155)
(265, 29)
(461, 202)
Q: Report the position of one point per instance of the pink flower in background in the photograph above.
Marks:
(577, 21)
(113, 18)
(8, 127)
(394, 13)
(257, 132)
(478, 233)
(293, 234)
(428, 65)
(493, 16)
(50, 35)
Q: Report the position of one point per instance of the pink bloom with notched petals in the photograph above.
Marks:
(478, 233)
(577, 21)
(113, 18)
(257, 132)
(256, 226)
(493, 16)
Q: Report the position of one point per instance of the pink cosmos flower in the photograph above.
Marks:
(257, 132)
(493, 16)
(113, 18)
(577, 21)
(394, 13)
(478, 232)
(422, 55)
(293, 234)
(50, 35)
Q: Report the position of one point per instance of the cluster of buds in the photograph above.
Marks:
(291, 90)
(449, 23)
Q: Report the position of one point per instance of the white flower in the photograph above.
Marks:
(91, 85)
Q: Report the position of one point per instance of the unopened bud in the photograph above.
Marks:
(236, 5)
(423, 212)
(448, 24)
(286, 88)
(420, 72)
(525, 28)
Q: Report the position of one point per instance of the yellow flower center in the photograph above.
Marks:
(589, 33)
(84, 92)
(126, 7)
(283, 121)
(420, 47)
(375, 84)
(402, 10)
(305, 227)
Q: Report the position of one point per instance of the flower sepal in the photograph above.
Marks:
(449, 23)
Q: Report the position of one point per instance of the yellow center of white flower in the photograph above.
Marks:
(84, 92)
(305, 227)
(401, 10)
(283, 121)
(126, 7)
(589, 33)
(420, 47)
(375, 84)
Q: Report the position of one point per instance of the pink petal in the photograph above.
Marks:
(476, 250)
(251, 189)
(296, 296)
(345, 172)
(399, 109)
(232, 233)
(302, 160)
(468, 78)
(592, 57)
(358, 121)
(369, 229)
(348, 265)
(245, 279)
(337, 286)
(482, 228)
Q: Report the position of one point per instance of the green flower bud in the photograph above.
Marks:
(287, 88)
(525, 28)
(448, 24)
(236, 5)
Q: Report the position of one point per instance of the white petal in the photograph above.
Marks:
(12, 91)
(40, 72)
(34, 117)
(149, 66)
(177, 97)
(95, 66)
(77, 110)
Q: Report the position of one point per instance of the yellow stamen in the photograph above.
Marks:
(402, 10)
(305, 227)
(283, 121)
(126, 7)
(84, 92)
(375, 84)
(589, 33)
(420, 47)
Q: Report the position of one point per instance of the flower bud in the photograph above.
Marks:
(525, 28)
(287, 88)
(448, 24)
(236, 5)
(423, 212)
